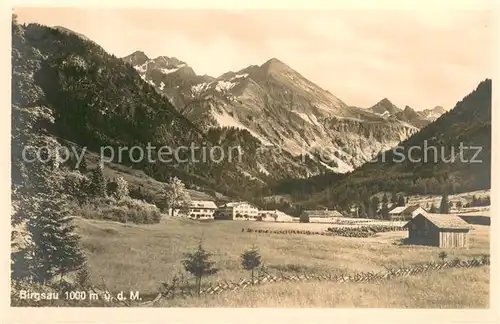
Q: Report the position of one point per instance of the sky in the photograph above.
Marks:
(419, 58)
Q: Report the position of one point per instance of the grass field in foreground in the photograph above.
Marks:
(451, 288)
(140, 257)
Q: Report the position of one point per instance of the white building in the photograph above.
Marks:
(201, 209)
(406, 212)
(197, 209)
(275, 216)
(412, 211)
(397, 213)
(321, 216)
(237, 211)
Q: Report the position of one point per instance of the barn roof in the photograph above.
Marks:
(443, 221)
(236, 204)
(322, 213)
(397, 210)
(207, 204)
(411, 209)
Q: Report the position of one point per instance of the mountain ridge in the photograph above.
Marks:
(260, 98)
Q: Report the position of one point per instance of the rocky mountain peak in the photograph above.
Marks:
(275, 66)
(409, 111)
(385, 102)
(384, 107)
(439, 110)
(273, 61)
(411, 116)
(169, 61)
(136, 58)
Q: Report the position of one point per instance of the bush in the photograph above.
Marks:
(118, 188)
(140, 212)
(139, 194)
(123, 210)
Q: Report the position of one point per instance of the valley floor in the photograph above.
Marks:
(140, 257)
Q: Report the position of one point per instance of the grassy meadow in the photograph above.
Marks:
(139, 257)
(434, 290)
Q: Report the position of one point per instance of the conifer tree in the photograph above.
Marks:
(385, 200)
(83, 165)
(199, 265)
(121, 190)
(442, 255)
(362, 211)
(55, 245)
(394, 198)
(375, 204)
(250, 260)
(433, 209)
(474, 201)
(401, 201)
(98, 186)
(385, 211)
(444, 208)
(51, 246)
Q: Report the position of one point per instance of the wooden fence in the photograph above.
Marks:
(179, 288)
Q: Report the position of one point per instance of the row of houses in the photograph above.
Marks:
(205, 209)
(398, 213)
(442, 230)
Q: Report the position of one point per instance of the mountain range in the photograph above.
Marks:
(281, 108)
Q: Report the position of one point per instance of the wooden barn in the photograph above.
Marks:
(441, 230)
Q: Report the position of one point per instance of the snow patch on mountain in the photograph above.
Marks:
(385, 114)
(262, 169)
(224, 85)
(197, 89)
(225, 120)
(239, 76)
(141, 68)
(311, 119)
(432, 116)
(341, 168)
(172, 70)
(248, 175)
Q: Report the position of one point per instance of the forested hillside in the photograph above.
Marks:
(468, 124)
(98, 100)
